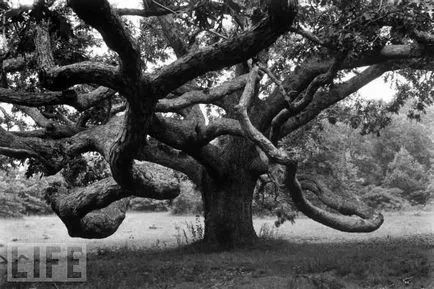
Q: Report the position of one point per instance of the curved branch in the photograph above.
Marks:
(61, 78)
(253, 133)
(164, 155)
(406, 51)
(348, 205)
(52, 129)
(127, 144)
(313, 87)
(277, 123)
(298, 80)
(87, 100)
(202, 96)
(36, 115)
(310, 36)
(96, 211)
(321, 102)
(36, 99)
(18, 63)
(44, 53)
(92, 212)
(367, 220)
(182, 135)
(100, 15)
(52, 153)
(219, 127)
(285, 167)
(171, 34)
(220, 55)
(17, 153)
(304, 99)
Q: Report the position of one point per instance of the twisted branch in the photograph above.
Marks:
(285, 168)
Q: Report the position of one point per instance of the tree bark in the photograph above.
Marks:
(228, 198)
(228, 211)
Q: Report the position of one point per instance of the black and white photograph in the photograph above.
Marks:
(213, 144)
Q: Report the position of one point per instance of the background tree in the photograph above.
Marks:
(371, 166)
(268, 68)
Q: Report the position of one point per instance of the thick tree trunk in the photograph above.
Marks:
(228, 210)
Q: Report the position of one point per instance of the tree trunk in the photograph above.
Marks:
(228, 210)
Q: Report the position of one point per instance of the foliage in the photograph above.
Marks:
(405, 173)
(85, 169)
(346, 158)
(188, 202)
(388, 199)
(268, 232)
(20, 196)
(269, 200)
(144, 204)
(328, 42)
(193, 232)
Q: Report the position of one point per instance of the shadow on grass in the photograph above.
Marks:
(378, 263)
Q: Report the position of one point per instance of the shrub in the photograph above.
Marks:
(20, 195)
(143, 204)
(268, 232)
(18, 203)
(405, 173)
(385, 198)
(265, 199)
(10, 206)
(193, 232)
(420, 197)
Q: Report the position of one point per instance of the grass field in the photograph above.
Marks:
(150, 251)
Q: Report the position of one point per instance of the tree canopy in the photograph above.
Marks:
(204, 88)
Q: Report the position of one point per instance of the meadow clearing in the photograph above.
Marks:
(157, 250)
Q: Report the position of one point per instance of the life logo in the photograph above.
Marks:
(46, 262)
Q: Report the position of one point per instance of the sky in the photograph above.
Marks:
(377, 89)
(118, 3)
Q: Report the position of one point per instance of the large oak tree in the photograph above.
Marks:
(267, 67)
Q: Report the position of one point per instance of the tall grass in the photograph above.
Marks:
(191, 232)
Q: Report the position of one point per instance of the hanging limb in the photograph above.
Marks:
(96, 211)
(348, 205)
(92, 212)
(251, 132)
(352, 217)
(284, 169)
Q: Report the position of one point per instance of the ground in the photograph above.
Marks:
(149, 251)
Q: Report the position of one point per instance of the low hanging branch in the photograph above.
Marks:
(96, 211)
(350, 205)
(92, 212)
(285, 168)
